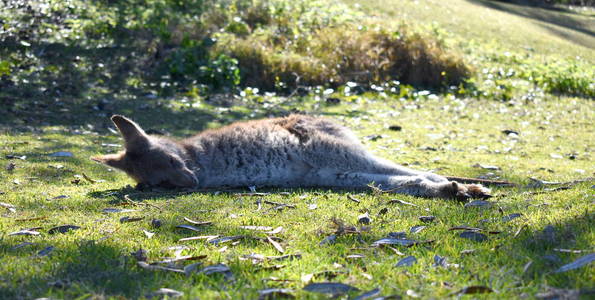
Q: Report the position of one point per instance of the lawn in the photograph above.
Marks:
(129, 243)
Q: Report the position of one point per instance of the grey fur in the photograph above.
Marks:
(295, 151)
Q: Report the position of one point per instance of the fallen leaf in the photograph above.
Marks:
(275, 294)
(511, 217)
(397, 201)
(334, 288)
(559, 294)
(486, 167)
(25, 232)
(571, 250)
(478, 203)
(226, 239)
(181, 258)
(400, 242)
(257, 228)
(474, 236)
(58, 197)
(8, 206)
(110, 210)
(350, 197)
(148, 234)
(45, 251)
(189, 227)
(328, 240)
(218, 268)
(407, 261)
(130, 219)
(427, 219)
(312, 206)
(417, 229)
(166, 292)
(582, 261)
(355, 256)
(275, 244)
(61, 154)
(441, 261)
(63, 229)
(21, 245)
(202, 237)
(369, 294)
(147, 266)
(364, 219)
(275, 231)
(197, 222)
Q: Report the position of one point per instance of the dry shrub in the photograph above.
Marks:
(339, 54)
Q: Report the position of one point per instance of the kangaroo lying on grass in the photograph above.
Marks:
(294, 151)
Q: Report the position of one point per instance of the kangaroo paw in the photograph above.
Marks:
(463, 192)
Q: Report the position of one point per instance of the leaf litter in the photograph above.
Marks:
(334, 288)
(63, 229)
(580, 262)
(407, 261)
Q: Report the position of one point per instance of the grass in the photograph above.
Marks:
(449, 133)
(95, 260)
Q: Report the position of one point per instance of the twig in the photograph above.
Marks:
(350, 197)
(132, 202)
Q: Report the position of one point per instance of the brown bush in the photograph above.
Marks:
(339, 54)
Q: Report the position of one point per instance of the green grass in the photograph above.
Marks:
(96, 261)
(555, 143)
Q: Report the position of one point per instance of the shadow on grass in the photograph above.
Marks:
(549, 17)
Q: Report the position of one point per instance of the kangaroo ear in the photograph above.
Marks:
(134, 136)
(112, 160)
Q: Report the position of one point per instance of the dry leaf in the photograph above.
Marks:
(61, 154)
(474, 236)
(202, 237)
(63, 229)
(226, 239)
(369, 294)
(166, 292)
(580, 262)
(275, 244)
(148, 234)
(417, 229)
(117, 210)
(406, 262)
(147, 266)
(257, 228)
(275, 294)
(130, 219)
(197, 223)
(189, 227)
(334, 288)
(45, 251)
(26, 232)
(8, 206)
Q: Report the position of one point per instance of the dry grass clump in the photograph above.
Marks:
(345, 53)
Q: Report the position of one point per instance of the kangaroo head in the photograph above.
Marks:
(150, 160)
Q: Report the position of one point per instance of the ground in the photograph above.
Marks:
(527, 231)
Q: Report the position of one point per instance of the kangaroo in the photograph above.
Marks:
(289, 152)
